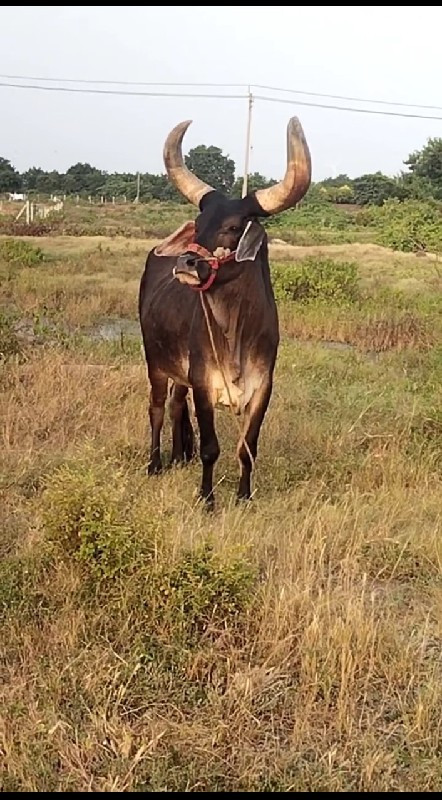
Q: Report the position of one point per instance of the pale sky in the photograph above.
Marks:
(377, 52)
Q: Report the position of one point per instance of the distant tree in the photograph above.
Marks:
(10, 179)
(342, 194)
(36, 179)
(31, 177)
(212, 166)
(316, 195)
(120, 184)
(159, 187)
(427, 163)
(82, 178)
(416, 187)
(255, 181)
(375, 188)
(340, 180)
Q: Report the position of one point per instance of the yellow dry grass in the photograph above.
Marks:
(130, 661)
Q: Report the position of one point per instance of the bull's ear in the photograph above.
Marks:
(250, 242)
(178, 242)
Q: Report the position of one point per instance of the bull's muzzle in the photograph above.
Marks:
(185, 270)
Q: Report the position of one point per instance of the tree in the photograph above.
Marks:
(427, 163)
(375, 188)
(30, 178)
(415, 187)
(340, 180)
(159, 187)
(10, 180)
(212, 166)
(38, 180)
(82, 178)
(255, 181)
(120, 184)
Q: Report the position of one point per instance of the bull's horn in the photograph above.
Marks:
(188, 184)
(297, 177)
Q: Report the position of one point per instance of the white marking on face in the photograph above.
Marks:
(222, 252)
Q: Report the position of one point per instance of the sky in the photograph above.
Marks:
(375, 52)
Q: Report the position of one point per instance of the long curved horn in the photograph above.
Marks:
(297, 177)
(188, 184)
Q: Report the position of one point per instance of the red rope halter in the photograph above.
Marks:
(214, 263)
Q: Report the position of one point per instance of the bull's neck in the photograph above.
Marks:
(232, 305)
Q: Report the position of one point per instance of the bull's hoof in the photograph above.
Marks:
(154, 468)
(243, 497)
(180, 461)
(208, 502)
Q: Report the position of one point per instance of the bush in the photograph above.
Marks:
(11, 227)
(202, 590)
(20, 253)
(410, 226)
(316, 278)
(87, 512)
(176, 596)
(314, 217)
(9, 343)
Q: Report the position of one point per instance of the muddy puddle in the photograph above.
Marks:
(119, 330)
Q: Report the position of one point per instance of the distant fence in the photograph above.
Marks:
(31, 210)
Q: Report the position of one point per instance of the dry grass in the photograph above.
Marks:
(302, 651)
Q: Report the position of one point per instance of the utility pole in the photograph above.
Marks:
(247, 157)
(137, 199)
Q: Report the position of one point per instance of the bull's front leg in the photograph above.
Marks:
(209, 447)
(158, 395)
(254, 416)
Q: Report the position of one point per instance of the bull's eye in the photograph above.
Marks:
(235, 229)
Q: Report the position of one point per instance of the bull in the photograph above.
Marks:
(208, 315)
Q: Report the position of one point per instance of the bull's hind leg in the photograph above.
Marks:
(182, 431)
(254, 417)
(158, 396)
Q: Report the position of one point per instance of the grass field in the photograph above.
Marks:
(293, 645)
(325, 225)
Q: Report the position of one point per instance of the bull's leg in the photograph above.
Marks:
(254, 417)
(158, 395)
(182, 431)
(209, 447)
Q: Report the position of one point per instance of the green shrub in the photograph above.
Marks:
(316, 218)
(20, 253)
(316, 278)
(90, 514)
(9, 342)
(203, 590)
(409, 226)
(87, 512)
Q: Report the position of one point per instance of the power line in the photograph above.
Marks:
(120, 92)
(219, 85)
(344, 97)
(345, 108)
(126, 93)
(118, 83)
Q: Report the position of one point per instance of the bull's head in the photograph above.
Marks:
(227, 231)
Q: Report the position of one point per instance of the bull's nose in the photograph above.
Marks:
(185, 269)
(186, 263)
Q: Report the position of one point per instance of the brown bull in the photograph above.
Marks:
(208, 314)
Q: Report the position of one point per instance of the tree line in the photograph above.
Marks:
(422, 180)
